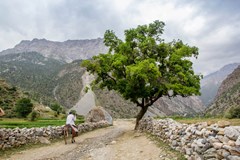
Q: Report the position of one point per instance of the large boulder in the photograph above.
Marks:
(98, 114)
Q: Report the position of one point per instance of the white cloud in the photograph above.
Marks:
(212, 27)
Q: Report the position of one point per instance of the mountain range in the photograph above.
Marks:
(66, 51)
(50, 72)
(228, 95)
(211, 83)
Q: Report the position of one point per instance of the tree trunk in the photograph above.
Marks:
(140, 115)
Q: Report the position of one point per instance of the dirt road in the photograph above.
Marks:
(118, 142)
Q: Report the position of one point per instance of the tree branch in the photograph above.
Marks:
(107, 75)
(138, 103)
(152, 99)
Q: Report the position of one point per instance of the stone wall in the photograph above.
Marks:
(197, 141)
(16, 137)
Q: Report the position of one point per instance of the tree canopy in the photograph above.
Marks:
(144, 67)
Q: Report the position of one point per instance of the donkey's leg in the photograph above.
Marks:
(65, 130)
(73, 135)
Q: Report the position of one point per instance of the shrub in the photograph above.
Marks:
(56, 107)
(33, 115)
(234, 112)
(24, 107)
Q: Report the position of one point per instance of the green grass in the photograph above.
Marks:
(210, 120)
(21, 123)
(234, 122)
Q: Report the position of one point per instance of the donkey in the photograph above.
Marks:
(69, 129)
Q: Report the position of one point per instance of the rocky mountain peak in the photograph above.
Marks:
(66, 51)
(211, 83)
(228, 94)
(229, 82)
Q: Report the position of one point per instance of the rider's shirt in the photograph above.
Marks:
(70, 119)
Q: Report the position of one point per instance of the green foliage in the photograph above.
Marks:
(13, 123)
(8, 97)
(33, 115)
(144, 68)
(43, 83)
(56, 107)
(234, 112)
(86, 89)
(24, 107)
(73, 111)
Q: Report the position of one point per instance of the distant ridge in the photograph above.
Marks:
(66, 51)
(211, 83)
(228, 94)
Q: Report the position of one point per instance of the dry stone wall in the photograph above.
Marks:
(197, 141)
(10, 138)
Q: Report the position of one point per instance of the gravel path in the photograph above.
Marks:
(118, 142)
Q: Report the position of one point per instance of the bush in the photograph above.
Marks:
(73, 111)
(24, 107)
(33, 115)
(234, 112)
(56, 107)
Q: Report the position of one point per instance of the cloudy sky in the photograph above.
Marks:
(211, 25)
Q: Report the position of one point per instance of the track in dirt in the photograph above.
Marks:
(118, 142)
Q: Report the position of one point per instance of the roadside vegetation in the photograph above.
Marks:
(210, 120)
(24, 123)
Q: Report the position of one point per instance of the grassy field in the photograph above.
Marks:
(21, 123)
(234, 122)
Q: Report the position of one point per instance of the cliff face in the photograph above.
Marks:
(188, 106)
(66, 51)
(228, 94)
(211, 83)
(229, 82)
(118, 107)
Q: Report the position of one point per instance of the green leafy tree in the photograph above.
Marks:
(33, 115)
(144, 67)
(24, 107)
(56, 107)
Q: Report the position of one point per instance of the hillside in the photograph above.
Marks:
(45, 79)
(66, 51)
(115, 104)
(49, 80)
(118, 107)
(8, 98)
(228, 94)
(211, 83)
(185, 106)
(68, 84)
(32, 73)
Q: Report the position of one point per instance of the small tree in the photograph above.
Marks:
(24, 107)
(144, 68)
(33, 115)
(56, 107)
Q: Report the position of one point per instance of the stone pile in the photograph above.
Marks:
(197, 141)
(16, 137)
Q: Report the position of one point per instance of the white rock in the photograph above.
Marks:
(217, 145)
(232, 132)
(238, 141)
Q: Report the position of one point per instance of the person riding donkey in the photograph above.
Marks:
(70, 123)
